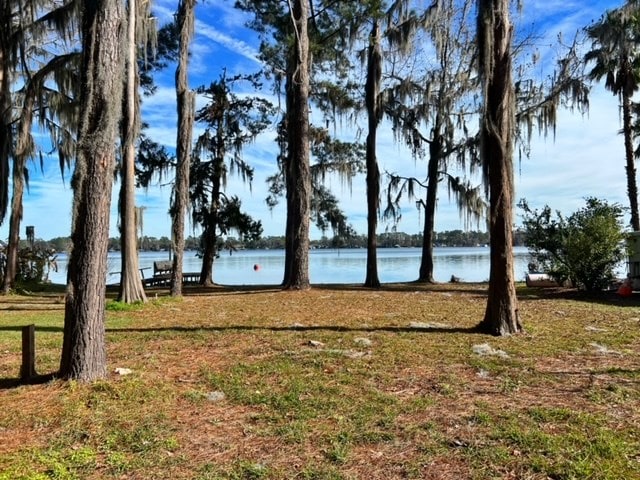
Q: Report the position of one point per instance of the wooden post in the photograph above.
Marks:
(28, 370)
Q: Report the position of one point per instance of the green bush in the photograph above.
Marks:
(584, 248)
(34, 264)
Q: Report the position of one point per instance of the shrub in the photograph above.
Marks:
(34, 264)
(584, 248)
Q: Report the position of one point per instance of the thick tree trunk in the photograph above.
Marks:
(298, 172)
(426, 263)
(83, 351)
(372, 93)
(131, 288)
(632, 185)
(186, 105)
(495, 33)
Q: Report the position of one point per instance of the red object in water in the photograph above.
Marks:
(256, 267)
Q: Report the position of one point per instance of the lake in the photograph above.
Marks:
(326, 265)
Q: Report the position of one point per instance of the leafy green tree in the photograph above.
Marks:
(615, 56)
(376, 30)
(232, 122)
(287, 42)
(429, 113)
(328, 156)
(584, 248)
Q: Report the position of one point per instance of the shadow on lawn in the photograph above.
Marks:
(294, 328)
(610, 298)
(10, 383)
(249, 328)
(478, 290)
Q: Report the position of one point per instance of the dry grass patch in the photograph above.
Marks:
(334, 383)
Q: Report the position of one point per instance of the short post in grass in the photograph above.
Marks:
(28, 369)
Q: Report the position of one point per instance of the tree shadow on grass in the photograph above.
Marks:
(11, 383)
(18, 328)
(295, 328)
(479, 289)
(610, 298)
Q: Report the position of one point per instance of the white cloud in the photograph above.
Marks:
(235, 45)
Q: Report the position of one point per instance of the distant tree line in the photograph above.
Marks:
(449, 238)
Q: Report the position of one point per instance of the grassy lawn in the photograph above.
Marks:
(332, 383)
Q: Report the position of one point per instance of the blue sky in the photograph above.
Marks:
(585, 159)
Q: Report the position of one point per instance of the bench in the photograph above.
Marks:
(162, 271)
(141, 273)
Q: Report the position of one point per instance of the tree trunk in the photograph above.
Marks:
(426, 262)
(186, 105)
(495, 33)
(208, 257)
(298, 169)
(5, 110)
(372, 94)
(83, 350)
(131, 288)
(289, 244)
(19, 163)
(209, 236)
(15, 219)
(632, 186)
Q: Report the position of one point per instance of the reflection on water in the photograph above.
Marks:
(328, 266)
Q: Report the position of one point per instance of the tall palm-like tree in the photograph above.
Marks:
(138, 31)
(374, 116)
(186, 107)
(395, 24)
(615, 56)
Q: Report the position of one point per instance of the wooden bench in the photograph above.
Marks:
(162, 271)
(141, 273)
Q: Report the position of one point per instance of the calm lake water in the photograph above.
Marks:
(327, 266)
